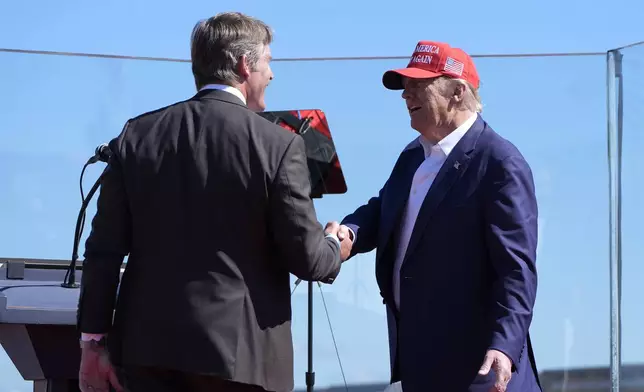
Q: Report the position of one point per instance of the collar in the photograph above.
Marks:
(447, 144)
(230, 89)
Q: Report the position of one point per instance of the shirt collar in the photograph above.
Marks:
(447, 144)
(223, 87)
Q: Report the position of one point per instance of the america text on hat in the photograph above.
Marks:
(433, 49)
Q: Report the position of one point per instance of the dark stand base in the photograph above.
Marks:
(56, 386)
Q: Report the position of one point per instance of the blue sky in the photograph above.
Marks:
(57, 109)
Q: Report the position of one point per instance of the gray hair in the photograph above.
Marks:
(218, 43)
(471, 98)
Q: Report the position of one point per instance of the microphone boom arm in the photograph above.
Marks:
(102, 154)
(70, 278)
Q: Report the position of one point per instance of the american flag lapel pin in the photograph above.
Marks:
(457, 165)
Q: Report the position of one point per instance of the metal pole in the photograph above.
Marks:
(615, 111)
(40, 386)
(310, 374)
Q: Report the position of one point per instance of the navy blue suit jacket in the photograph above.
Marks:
(468, 280)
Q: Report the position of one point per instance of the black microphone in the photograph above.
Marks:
(102, 153)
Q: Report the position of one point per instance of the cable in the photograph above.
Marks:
(328, 318)
(337, 353)
(70, 276)
(629, 46)
(94, 55)
(288, 59)
(80, 233)
(82, 197)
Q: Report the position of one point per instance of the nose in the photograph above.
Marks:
(405, 94)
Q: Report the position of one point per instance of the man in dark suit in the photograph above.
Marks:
(455, 228)
(212, 204)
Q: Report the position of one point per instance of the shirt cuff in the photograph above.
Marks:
(353, 235)
(86, 337)
(334, 237)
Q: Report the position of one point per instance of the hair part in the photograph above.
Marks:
(218, 43)
(471, 98)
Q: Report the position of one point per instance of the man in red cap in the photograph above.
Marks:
(455, 228)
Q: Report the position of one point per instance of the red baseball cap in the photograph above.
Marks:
(433, 59)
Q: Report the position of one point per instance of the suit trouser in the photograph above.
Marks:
(147, 379)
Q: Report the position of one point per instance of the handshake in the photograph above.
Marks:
(344, 234)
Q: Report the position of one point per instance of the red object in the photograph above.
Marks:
(320, 147)
(318, 121)
(433, 59)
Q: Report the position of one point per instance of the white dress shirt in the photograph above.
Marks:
(435, 156)
(230, 89)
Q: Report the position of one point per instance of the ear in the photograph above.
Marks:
(243, 67)
(459, 92)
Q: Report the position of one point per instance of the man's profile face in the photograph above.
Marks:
(427, 107)
(258, 80)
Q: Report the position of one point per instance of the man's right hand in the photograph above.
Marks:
(344, 235)
(96, 372)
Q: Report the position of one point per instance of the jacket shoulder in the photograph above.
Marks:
(497, 148)
(152, 115)
(498, 155)
(272, 131)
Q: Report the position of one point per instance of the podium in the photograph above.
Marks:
(38, 323)
(38, 315)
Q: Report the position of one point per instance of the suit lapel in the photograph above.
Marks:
(452, 170)
(392, 209)
(399, 192)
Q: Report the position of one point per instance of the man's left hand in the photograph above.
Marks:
(502, 366)
(96, 373)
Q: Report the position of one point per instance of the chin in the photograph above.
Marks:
(414, 125)
(257, 105)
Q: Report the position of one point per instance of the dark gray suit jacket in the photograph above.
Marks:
(211, 203)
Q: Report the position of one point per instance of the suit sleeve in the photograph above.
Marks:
(106, 247)
(296, 231)
(364, 223)
(511, 231)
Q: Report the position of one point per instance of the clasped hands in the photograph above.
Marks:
(344, 235)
